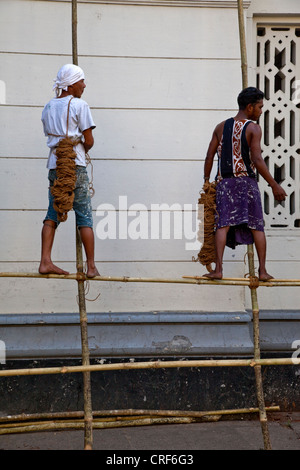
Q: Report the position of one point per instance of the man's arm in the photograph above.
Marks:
(259, 163)
(212, 148)
(88, 139)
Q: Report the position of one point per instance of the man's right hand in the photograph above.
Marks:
(278, 192)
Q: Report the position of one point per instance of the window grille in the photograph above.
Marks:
(278, 76)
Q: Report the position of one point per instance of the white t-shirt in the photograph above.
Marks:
(54, 119)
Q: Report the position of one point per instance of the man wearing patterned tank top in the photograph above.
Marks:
(239, 216)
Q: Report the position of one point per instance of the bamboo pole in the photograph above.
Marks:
(193, 280)
(87, 394)
(243, 48)
(151, 365)
(128, 412)
(52, 426)
(250, 253)
(74, 32)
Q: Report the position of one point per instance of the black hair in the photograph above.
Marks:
(250, 95)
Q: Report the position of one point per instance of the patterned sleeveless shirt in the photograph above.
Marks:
(233, 151)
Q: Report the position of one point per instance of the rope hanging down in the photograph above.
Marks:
(63, 187)
(207, 254)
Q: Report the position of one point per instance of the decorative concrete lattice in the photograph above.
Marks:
(278, 75)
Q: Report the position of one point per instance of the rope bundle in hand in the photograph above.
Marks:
(207, 254)
(64, 185)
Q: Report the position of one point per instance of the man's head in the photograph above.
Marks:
(249, 95)
(250, 100)
(70, 78)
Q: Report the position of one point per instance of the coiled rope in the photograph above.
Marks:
(207, 253)
(64, 185)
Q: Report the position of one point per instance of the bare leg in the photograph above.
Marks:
(220, 241)
(46, 265)
(261, 248)
(87, 237)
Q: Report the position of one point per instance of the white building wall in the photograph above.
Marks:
(160, 75)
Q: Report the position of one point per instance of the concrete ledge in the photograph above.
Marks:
(134, 334)
(279, 329)
(127, 334)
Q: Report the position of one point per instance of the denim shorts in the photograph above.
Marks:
(82, 199)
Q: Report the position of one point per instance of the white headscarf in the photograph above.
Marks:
(67, 75)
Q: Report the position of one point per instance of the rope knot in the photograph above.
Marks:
(253, 282)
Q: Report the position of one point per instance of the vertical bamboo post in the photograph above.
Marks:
(74, 32)
(250, 254)
(87, 393)
(244, 64)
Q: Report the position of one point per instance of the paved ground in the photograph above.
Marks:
(222, 435)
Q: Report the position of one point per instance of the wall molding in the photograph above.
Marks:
(168, 3)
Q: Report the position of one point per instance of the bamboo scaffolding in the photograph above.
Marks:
(152, 365)
(88, 423)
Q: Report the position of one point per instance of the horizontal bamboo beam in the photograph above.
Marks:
(151, 365)
(120, 418)
(128, 412)
(57, 426)
(195, 280)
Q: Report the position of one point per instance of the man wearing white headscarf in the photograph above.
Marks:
(67, 115)
(66, 76)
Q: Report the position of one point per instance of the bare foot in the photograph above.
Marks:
(264, 276)
(213, 275)
(92, 272)
(50, 268)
